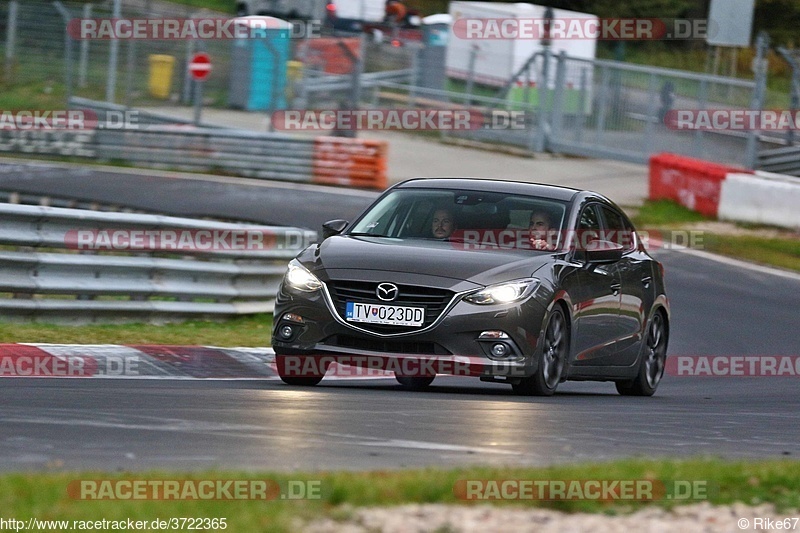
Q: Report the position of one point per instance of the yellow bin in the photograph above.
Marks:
(160, 81)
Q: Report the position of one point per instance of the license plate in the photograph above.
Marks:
(395, 315)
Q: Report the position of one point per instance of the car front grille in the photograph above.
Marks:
(432, 299)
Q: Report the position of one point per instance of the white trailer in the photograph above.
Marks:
(497, 60)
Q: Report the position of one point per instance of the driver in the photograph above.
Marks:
(443, 224)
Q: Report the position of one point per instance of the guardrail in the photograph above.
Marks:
(71, 265)
(275, 156)
(785, 160)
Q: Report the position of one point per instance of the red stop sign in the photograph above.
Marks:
(200, 66)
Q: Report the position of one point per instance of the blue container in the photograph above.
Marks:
(258, 66)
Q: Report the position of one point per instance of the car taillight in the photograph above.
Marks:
(331, 7)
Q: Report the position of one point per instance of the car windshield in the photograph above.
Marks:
(477, 219)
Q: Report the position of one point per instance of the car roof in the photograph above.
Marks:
(553, 192)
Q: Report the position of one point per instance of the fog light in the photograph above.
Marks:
(499, 350)
(286, 332)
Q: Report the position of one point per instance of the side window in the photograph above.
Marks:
(616, 230)
(589, 224)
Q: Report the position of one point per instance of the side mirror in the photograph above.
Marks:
(333, 227)
(603, 252)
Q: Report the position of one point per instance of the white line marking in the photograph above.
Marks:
(422, 445)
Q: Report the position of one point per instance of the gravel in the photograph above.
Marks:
(454, 518)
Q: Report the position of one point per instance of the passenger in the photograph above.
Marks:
(443, 224)
(542, 236)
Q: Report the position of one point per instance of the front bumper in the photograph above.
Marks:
(452, 346)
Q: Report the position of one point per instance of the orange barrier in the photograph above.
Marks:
(693, 183)
(327, 53)
(354, 162)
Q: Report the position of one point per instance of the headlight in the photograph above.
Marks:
(504, 293)
(298, 277)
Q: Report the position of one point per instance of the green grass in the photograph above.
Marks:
(44, 495)
(243, 331)
(665, 212)
(781, 251)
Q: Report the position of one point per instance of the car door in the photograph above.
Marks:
(635, 277)
(595, 298)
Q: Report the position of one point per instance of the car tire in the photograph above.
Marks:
(552, 359)
(299, 381)
(652, 361)
(414, 383)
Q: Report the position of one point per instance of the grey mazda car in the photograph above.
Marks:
(516, 283)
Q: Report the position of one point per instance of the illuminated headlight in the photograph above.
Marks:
(504, 293)
(298, 277)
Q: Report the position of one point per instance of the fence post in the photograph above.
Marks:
(698, 135)
(83, 66)
(544, 97)
(113, 52)
(473, 56)
(794, 91)
(601, 103)
(652, 111)
(187, 78)
(557, 111)
(581, 118)
(65, 14)
(11, 37)
(129, 74)
(757, 103)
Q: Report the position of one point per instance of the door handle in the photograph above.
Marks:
(646, 281)
(615, 287)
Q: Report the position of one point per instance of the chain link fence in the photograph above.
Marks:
(585, 107)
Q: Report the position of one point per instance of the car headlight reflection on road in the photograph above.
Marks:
(298, 277)
(504, 293)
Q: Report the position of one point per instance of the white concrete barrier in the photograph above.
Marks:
(761, 198)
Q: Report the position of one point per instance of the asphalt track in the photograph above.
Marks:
(719, 309)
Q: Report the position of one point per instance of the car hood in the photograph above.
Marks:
(428, 258)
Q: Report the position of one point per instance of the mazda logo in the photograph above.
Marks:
(387, 292)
